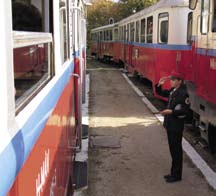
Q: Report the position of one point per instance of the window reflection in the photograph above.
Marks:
(30, 69)
(149, 29)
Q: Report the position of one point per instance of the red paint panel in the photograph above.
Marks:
(49, 165)
(151, 63)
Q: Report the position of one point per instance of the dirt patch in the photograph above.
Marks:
(104, 142)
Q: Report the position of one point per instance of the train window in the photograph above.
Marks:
(64, 32)
(32, 64)
(115, 34)
(143, 30)
(149, 29)
(124, 33)
(128, 32)
(214, 17)
(132, 29)
(98, 36)
(189, 27)
(94, 36)
(120, 33)
(101, 36)
(32, 53)
(137, 30)
(105, 35)
(110, 35)
(163, 28)
(205, 16)
(31, 15)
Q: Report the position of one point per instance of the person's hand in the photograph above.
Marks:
(165, 112)
(162, 80)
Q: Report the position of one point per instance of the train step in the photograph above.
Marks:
(84, 131)
(80, 175)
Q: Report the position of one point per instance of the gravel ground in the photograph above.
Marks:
(136, 167)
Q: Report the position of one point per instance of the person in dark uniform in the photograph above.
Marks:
(174, 116)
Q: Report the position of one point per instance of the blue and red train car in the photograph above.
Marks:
(202, 84)
(151, 43)
(41, 95)
(164, 37)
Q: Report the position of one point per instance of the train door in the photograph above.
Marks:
(203, 46)
(136, 48)
(125, 38)
(97, 44)
(212, 46)
(131, 42)
(189, 68)
(101, 38)
(142, 40)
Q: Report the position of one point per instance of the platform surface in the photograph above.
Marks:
(138, 166)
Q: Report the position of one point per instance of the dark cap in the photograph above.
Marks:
(177, 75)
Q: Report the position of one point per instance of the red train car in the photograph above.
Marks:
(41, 95)
(103, 42)
(202, 84)
(151, 43)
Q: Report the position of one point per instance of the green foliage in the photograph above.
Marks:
(102, 10)
(128, 7)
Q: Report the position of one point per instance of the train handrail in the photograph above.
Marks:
(23, 38)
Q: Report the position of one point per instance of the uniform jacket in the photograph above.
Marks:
(178, 102)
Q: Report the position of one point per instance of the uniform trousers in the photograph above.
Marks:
(175, 147)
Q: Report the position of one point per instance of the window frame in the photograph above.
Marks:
(213, 16)
(189, 34)
(147, 28)
(137, 34)
(124, 32)
(25, 39)
(161, 18)
(202, 18)
(34, 40)
(143, 35)
(64, 7)
(115, 33)
(132, 31)
(128, 32)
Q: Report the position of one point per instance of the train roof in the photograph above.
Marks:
(145, 11)
(158, 5)
(105, 27)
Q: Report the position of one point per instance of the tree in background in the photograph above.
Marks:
(101, 10)
(129, 7)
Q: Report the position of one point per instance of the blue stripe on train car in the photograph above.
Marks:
(17, 151)
(206, 51)
(155, 46)
(160, 46)
(76, 54)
